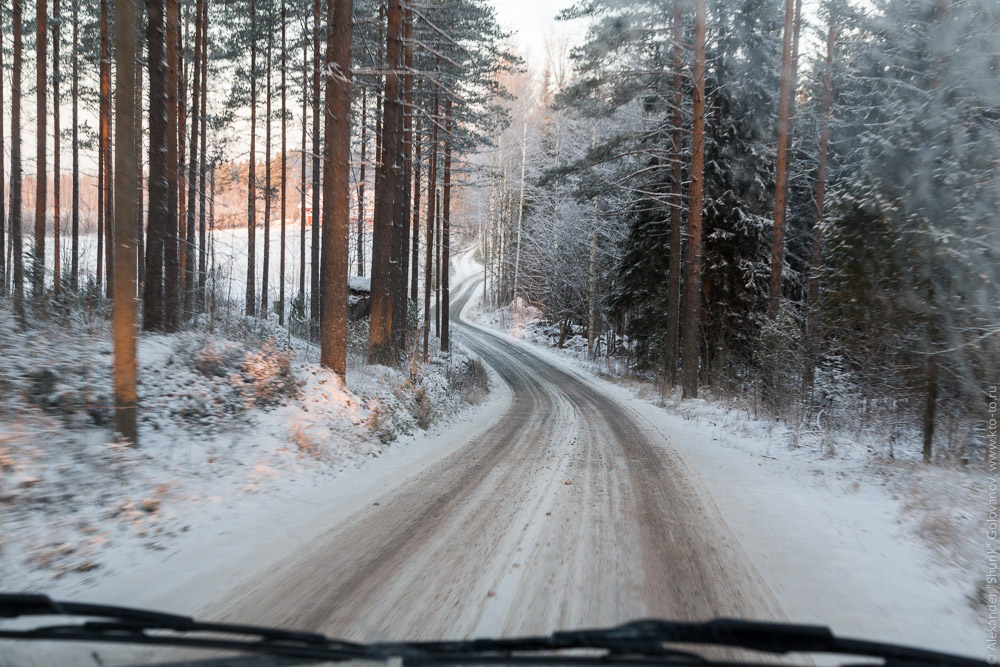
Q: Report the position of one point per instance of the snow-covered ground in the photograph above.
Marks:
(891, 550)
(231, 423)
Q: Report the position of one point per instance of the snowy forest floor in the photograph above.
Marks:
(231, 422)
(880, 547)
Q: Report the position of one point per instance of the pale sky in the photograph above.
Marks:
(532, 21)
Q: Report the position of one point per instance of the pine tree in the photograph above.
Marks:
(336, 186)
(158, 216)
(123, 315)
(692, 267)
(385, 244)
(15, 163)
(56, 167)
(41, 113)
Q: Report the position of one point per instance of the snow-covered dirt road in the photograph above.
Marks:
(568, 511)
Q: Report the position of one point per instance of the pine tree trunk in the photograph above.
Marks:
(404, 201)
(520, 211)
(361, 183)
(190, 256)
(41, 113)
(251, 173)
(415, 254)
(592, 273)
(266, 267)
(123, 313)
(171, 269)
(139, 245)
(284, 172)
(385, 272)
(676, 198)
(74, 270)
(812, 293)
(314, 297)
(302, 206)
(15, 164)
(157, 224)
(4, 265)
(437, 265)
(100, 203)
(182, 207)
(446, 233)
(336, 186)
(202, 196)
(692, 273)
(781, 169)
(431, 201)
(108, 170)
(56, 162)
(930, 400)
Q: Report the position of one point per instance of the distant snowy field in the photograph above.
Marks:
(230, 254)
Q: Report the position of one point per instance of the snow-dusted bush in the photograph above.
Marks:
(267, 377)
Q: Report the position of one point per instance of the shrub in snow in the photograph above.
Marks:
(266, 377)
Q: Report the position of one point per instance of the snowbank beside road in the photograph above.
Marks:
(229, 426)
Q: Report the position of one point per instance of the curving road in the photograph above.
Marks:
(569, 511)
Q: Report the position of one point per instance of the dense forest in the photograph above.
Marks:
(797, 208)
(794, 206)
(353, 111)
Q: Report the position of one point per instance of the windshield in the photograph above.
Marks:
(398, 321)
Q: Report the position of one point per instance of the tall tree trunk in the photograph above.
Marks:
(379, 90)
(139, 246)
(41, 113)
(415, 256)
(930, 399)
(284, 171)
(302, 205)
(781, 169)
(361, 183)
(812, 293)
(202, 196)
(100, 205)
(100, 202)
(592, 273)
(437, 266)
(692, 273)
(336, 187)
(190, 256)
(676, 197)
(108, 169)
(385, 273)
(314, 301)
(74, 267)
(15, 164)
(251, 174)
(182, 231)
(431, 201)
(266, 267)
(157, 224)
(123, 254)
(446, 232)
(172, 273)
(404, 209)
(4, 265)
(520, 210)
(56, 166)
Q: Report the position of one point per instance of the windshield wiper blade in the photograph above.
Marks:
(639, 642)
(132, 626)
(651, 640)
